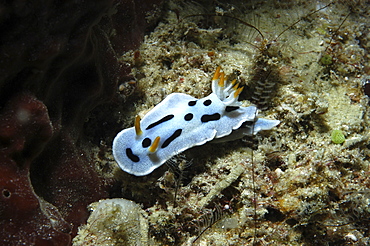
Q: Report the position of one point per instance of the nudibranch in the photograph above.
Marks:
(181, 121)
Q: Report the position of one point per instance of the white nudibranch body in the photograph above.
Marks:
(181, 121)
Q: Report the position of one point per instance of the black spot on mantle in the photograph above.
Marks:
(210, 117)
(164, 119)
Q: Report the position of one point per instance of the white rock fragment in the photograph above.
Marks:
(351, 237)
(114, 222)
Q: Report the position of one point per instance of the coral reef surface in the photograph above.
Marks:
(302, 63)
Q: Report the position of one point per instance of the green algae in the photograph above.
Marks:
(337, 137)
(326, 60)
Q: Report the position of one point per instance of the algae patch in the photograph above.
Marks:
(337, 137)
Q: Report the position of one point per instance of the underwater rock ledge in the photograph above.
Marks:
(58, 62)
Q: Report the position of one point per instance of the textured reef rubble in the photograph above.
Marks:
(72, 75)
(114, 222)
(290, 186)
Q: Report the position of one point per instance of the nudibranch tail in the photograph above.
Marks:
(137, 126)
